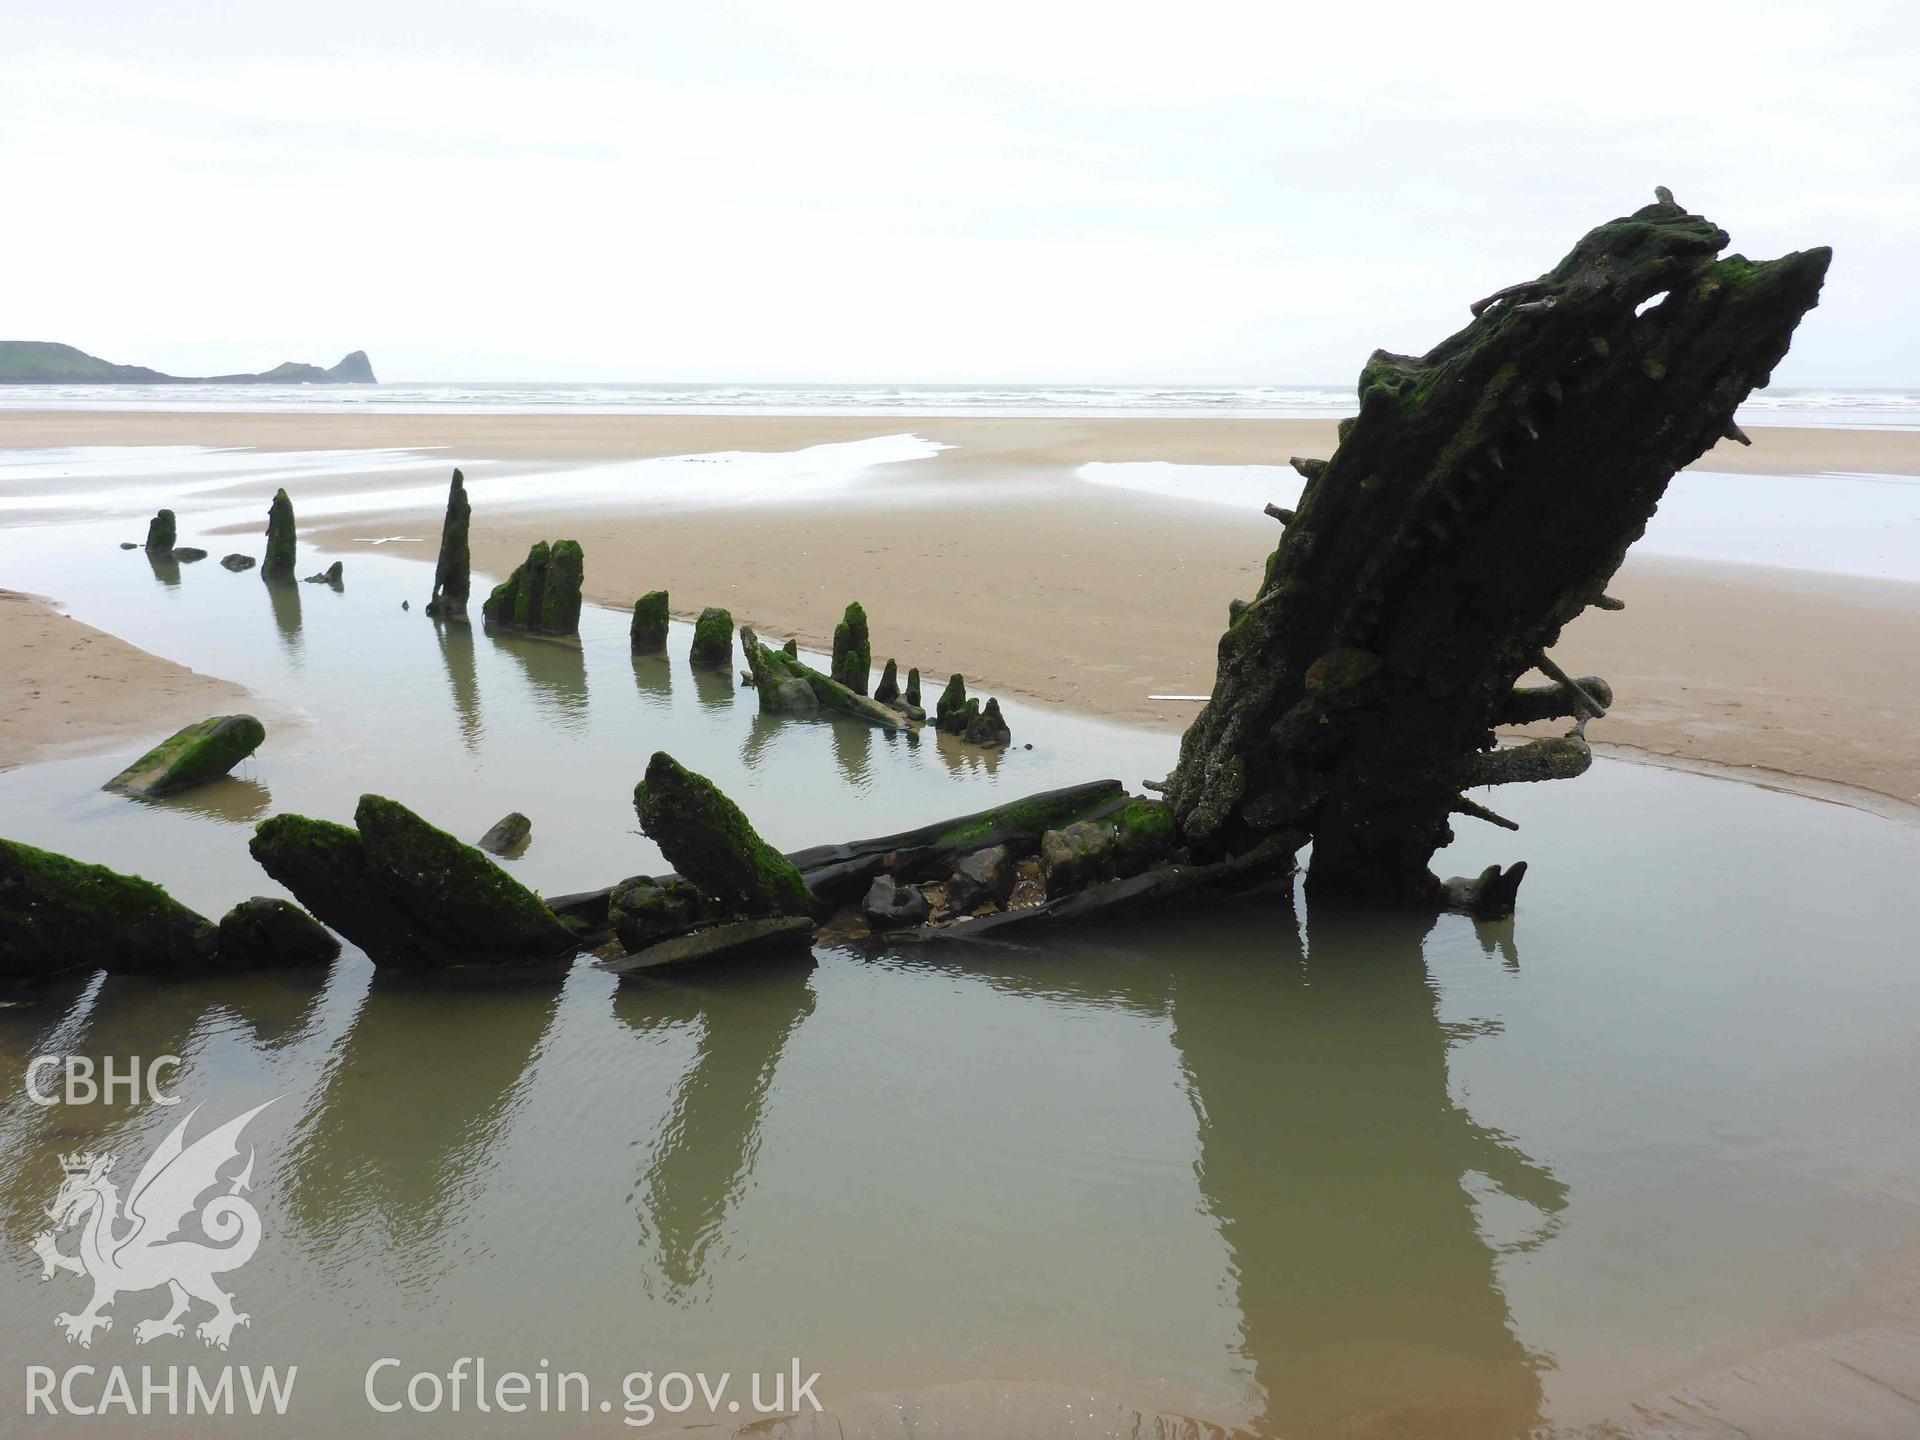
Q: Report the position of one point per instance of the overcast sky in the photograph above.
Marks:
(1182, 192)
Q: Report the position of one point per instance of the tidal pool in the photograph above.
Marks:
(1282, 1167)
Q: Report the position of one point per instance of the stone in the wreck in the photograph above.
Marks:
(267, 933)
(986, 877)
(407, 893)
(193, 755)
(277, 564)
(542, 595)
(852, 651)
(892, 904)
(643, 911)
(334, 575)
(453, 570)
(648, 633)
(57, 913)
(708, 839)
(713, 640)
(508, 835)
(161, 533)
(237, 562)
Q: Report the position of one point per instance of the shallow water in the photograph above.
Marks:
(1299, 1170)
(1839, 524)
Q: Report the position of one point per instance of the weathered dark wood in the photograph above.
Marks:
(1482, 498)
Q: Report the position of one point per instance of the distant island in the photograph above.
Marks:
(43, 362)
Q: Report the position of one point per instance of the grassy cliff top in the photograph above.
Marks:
(47, 362)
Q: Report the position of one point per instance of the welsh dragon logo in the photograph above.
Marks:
(139, 1246)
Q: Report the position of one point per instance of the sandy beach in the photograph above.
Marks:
(72, 687)
(992, 558)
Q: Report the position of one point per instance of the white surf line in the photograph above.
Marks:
(1180, 697)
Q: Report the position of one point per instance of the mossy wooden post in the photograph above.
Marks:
(277, 564)
(648, 633)
(161, 534)
(202, 751)
(707, 838)
(888, 690)
(560, 604)
(912, 693)
(453, 572)
(1483, 497)
(950, 710)
(405, 891)
(58, 913)
(713, 640)
(542, 595)
(852, 651)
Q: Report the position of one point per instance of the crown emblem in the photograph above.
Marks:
(78, 1163)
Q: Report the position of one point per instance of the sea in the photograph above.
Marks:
(1866, 409)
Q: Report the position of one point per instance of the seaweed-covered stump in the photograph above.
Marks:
(648, 633)
(277, 563)
(59, 914)
(713, 640)
(542, 595)
(266, 933)
(1482, 498)
(787, 685)
(453, 571)
(161, 534)
(407, 893)
(950, 710)
(202, 751)
(852, 650)
(707, 838)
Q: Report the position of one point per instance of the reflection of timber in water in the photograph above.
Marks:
(165, 568)
(418, 1091)
(714, 688)
(456, 653)
(653, 678)
(556, 671)
(285, 595)
(853, 752)
(1333, 1158)
(703, 1157)
(1367, 1307)
(116, 1020)
(964, 759)
(232, 799)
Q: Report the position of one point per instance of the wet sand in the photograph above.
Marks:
(992, 559)
(72, 688)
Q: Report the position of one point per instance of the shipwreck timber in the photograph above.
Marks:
(1482, 498)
